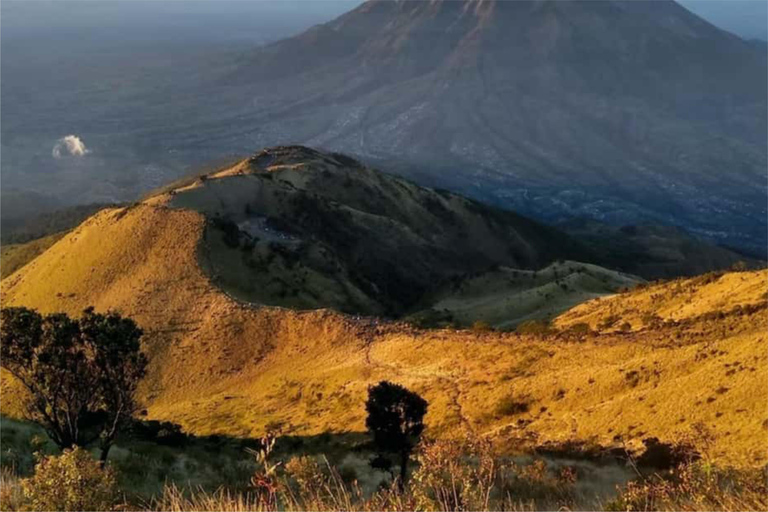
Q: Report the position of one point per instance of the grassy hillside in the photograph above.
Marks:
(505, 297)
(37, 225)
(15, 256)
(221, 366)
(680, 301)
(298, 228)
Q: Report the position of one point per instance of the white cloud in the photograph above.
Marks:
(71, 145)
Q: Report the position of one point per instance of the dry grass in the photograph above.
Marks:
(693, 487)
(456, 475)
(220, 367)
(507, 297)
(11, 493)
(447, 475)
(15, 256)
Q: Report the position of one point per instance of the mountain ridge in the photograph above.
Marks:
(625, 112)
(220, 366)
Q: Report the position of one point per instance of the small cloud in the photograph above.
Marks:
(71, 145)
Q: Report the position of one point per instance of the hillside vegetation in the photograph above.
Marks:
(15, 256)
(506, 297)
(218, 365)
(654, 252)
(298, 228)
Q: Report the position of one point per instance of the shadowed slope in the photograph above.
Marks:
(295, 227)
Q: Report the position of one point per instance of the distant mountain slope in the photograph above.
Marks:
(622, 111)
(45, 223)
(654, 252)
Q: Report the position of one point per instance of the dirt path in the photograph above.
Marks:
(448, 383)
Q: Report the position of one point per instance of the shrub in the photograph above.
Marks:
(608, 322)
(580, 329)
(535, 327)
(652, 321)
(70, 481)
(395, 420)
(695, 486)
(481, 326)
(511, 405)
(160, 432)
(660, 455)
(454, 475)
(307, 477)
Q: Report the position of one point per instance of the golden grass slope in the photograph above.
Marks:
(506, 297)
(219, 366)
(673, 301)
(15, 256)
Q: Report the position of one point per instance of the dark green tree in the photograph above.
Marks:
(395, 420)
(81, 375)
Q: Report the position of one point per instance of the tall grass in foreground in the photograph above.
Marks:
(466, 475)
(642, 497)
(451, 475)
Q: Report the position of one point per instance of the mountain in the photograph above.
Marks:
(625, 112)
(237, 277)
(654, 252)
(693, 350)
(298, 228)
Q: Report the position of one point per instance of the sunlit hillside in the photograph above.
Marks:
(221, 366)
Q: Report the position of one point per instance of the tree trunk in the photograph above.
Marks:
(105, 453)
(403, 469)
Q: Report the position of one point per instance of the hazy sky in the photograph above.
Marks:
(747, 18)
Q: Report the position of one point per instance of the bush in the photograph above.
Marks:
(580, 329)
(70, 481)
(660, 455)
(454, 475)
(534, 327)
(160, 432)
(695, 486)
(511, 405)
(481, 326)
(307, 477)
(608, 322)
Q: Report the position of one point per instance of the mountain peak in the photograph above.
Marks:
(594, 108)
